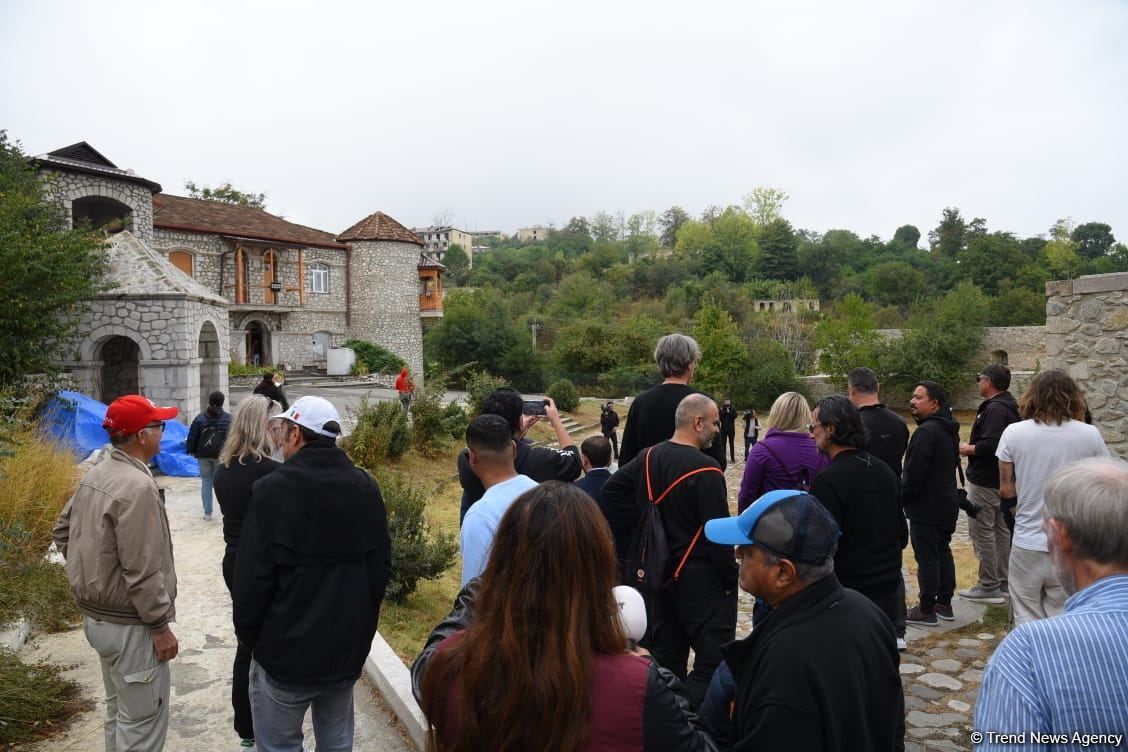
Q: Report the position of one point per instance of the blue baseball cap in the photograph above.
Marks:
(790, 524)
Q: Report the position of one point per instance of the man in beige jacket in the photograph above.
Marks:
(114, 535)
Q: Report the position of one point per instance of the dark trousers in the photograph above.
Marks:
(891, 601)
(730, 442)
(936, 571)
(613, 437)
(241, 667)
(694, 612)
(749, 442)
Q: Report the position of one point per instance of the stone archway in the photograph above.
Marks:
(101, 213)
(120, 373)
(211, 361)
(257, 335)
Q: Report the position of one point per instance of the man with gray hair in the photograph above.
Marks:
(820, 672)
(697, 608)
(1067, 675)
(650, 418)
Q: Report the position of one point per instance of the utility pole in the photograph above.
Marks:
(535, 326)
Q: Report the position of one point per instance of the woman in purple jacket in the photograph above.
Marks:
(786, 458)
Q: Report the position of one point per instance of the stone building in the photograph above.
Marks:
(201, 283)
(1087, 335)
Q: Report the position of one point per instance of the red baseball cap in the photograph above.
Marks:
(129, 414)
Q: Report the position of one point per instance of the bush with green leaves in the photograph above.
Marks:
(479, 386)
(430, 435)
(381, 433)
(455, 421)
(565, 395)
(374, 357)
(417, 552)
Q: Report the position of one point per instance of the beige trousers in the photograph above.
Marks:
(1035, 591)
(137, 686)
(990, 536)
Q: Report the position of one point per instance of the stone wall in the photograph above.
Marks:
(207, 251)
(385, 300)
(1024, 346)
(1087, 335)
(63, 188)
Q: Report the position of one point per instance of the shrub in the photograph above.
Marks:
(242, 369)
(376, 358)
(417, 553)
(37, 477)
(564, 394)
(478, 387)
(381, 433)
(35, 698)
(455, 420)
(429, 435)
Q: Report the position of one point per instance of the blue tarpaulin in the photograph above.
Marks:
(75, 421)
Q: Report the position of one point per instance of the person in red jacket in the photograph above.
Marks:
(405, 386)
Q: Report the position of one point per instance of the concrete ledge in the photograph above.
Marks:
(393, 680)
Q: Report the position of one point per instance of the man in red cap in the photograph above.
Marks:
(114, 535)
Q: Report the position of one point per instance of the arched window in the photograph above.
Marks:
(182, 260)
(319, 278)
(100, 213)
(1000, 356)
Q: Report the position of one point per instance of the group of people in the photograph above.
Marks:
(307, 559)
(533, 655)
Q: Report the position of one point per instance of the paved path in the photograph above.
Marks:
(200, 717)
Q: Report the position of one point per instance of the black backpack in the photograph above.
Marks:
(209, 442)
(647, 566)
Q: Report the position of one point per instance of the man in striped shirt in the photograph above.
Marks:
(1062, 682)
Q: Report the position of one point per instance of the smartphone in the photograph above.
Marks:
(533, 407)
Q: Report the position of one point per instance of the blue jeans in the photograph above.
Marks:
(279, 710)
(207, 473)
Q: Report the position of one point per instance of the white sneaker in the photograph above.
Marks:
(207, 518)
(901, 644)
(984, 595)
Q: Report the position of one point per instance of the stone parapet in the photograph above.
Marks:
(1087, 335)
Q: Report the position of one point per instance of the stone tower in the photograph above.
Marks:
(384, 305)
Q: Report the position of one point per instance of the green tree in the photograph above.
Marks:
(894, 283)
(1018, 306)
(732, 249)
(50, 274)
(723, 355)
(671, 221)
(906, 237)
(950, 236)
(457, 264)
(764, 205)
(1061, 252)
(779, 250)
(847, 339)
(1093, 239)
(988, 259)
(226, 194)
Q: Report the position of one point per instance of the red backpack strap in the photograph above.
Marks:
(679, 480)
(688, 551)
(696, 535)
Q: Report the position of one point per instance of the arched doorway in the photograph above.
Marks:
(211, 362)
(258, 344)
(121, 372)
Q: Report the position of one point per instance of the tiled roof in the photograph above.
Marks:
(82, 157)
(379, 226)
(217, 218)
(426, 262)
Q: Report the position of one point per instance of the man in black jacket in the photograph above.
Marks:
(990, 534)
(312, 569)
(728, 429)
(888, 434)
(608, 426)
(650, 419)
(864, 496)
(820, 671)
(698, 608)
(928, 495)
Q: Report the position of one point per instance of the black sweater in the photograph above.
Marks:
(233, 491)
(650, 421)
(864, 496)
(888, 435)
(819, 674)
(928, 481)
(690, 505)
(992, 417)
(313, 565)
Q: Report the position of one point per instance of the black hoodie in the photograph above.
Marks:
(993, 416)
(928, 483)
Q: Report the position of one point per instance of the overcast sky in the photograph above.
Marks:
(869, 114)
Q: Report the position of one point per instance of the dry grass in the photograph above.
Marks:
(36, 479)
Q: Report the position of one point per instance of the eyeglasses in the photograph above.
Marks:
(980, 377)
(158, 424)
(811, 427)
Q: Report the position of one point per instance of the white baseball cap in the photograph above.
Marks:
(312, 413)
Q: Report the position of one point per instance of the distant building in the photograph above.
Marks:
(436, 241)
(790, 305)
(533, 234)
(198, 284)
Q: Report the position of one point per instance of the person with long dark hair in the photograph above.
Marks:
(245, 458)
(535, 655)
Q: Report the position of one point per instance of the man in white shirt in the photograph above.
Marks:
(1052, 434)
(492, 454)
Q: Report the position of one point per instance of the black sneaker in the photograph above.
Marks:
(918, 616)
(945, 612)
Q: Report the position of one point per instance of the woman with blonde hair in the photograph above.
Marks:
(535, 656)
(244, 459)
(786, 458)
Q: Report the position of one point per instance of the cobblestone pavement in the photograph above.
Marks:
(942, 668)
